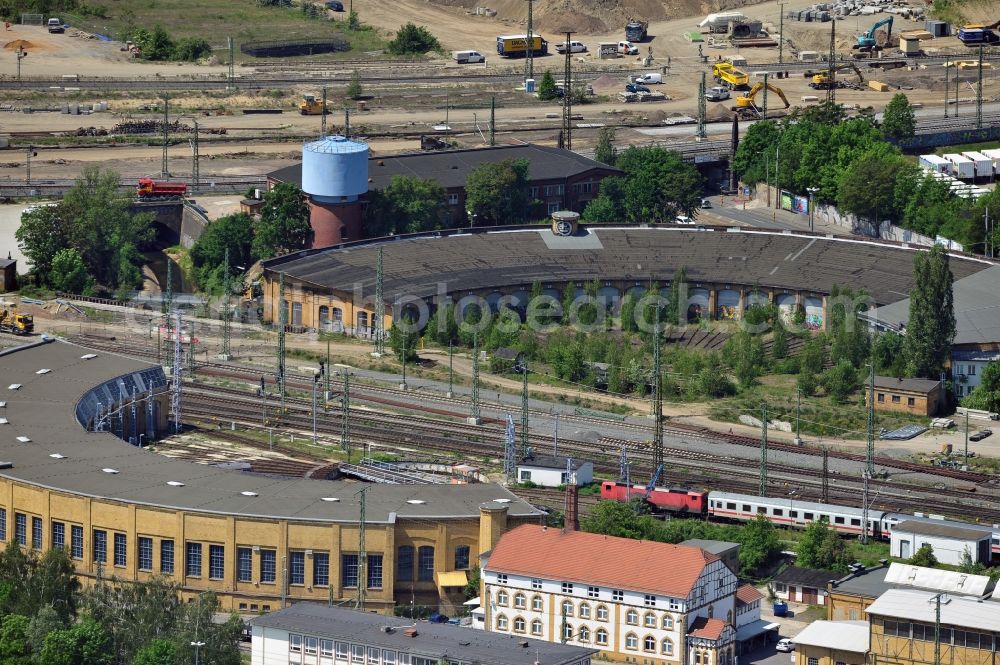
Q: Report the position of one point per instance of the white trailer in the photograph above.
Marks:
(984, 165)
(994, 155)
(935, 164)
(962, 167)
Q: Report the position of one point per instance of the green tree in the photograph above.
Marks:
(86, 643)
(756, 147)
(284, 223)
(758, 544)
(840, 381)
(622, 520)
(46, 621)
(606, 207)
(605, 151)
(986, 395)
(196, 622)
(354, 89)
(675, 312)
(413, 40)
(968, 566)
(898, 121)
(155, 45)
(779, 341)
(924, 557)
(69, 274)
(811, 361)
(745, 354)
(14, 646)
(497, 192)
(887, 352)
(408, 205)
(134, 613)
(868, 188)
(41, 236)
(931, 326)
(821, 547)
(658, 185)
(627, 314)
(403, 343)
(190, 49)
(471, 589)
(157, 652)
(547, 87)
(232, 232)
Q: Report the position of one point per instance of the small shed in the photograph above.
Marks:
(251, 206)
(553, 471)
(918, 397)
(8, 274)
(803, 585)
(728, 552)
(947, 541)
(830, 642)
(507, 360)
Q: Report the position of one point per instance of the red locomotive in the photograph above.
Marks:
(155, 189)
(660, 498)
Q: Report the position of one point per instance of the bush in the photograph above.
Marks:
(413, 40)
(190, 49)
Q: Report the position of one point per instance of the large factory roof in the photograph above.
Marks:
(41, 409)
(450, 168)
(466, 261)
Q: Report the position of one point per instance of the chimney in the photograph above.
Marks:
(572, 519)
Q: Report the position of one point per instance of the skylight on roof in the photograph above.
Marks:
(175, 483)
(501, 500)
(3, 405)
(109, 470)
(331, 499)
(3, 421)
(24, 439)
(248, 493)
(14, 386)
(416, 502)
(88, 356)
(43, 371)
(57, 456)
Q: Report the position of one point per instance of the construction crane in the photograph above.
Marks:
(975, 34)
(875, 39)
(821, 80)
(745, 106)
(726, 73)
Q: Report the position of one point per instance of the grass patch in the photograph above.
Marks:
(967, 147)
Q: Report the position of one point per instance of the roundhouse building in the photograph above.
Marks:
(258, 541)
(727, 268)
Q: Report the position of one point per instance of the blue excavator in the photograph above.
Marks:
(875, 39)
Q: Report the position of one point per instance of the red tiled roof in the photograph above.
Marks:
(747, 594)
(594, 559)
(709, 629)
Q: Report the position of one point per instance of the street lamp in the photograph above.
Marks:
(811, 190)
(197, 646)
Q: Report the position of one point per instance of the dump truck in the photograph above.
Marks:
(14, 323)
(312, 106)
(745, 106)
(635, 31)
(821, 80)
(516, 46)
(730, 76)
(159, 189)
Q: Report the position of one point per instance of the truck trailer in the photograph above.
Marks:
(983, 165)
(935, 164)
(516, 46)
(962, 167)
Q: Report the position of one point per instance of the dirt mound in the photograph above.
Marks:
(18, 43)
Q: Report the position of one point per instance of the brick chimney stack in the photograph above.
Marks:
(572, 518)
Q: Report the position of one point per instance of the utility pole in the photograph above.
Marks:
(831, 91)
(657, 396)
(406, 343)
(798, 410)
(451, 369)
(362, 552)
(493, 120)
(327, 370)
(345, 417)
(170, 288)
(946, 89)
(979, 91)
(937, 625)
(347, 123)
(177, 374)
(764, 117)
(226, 312)
(826, 476)
(164, 170)
(509, 454)
(568, 95)
(21, 55)
(524, 411)
(282, 324)
(870, 454)
(322, 115)
(623, 466)
(967, 436)
(195, 169)
(555, 438)
(232, 64)
(29, 152)
(474, 417)
(762, 489)
(702, 110)
(378, 323)
(315, 388)
(529, 53)
(865, 477)
(781, 33)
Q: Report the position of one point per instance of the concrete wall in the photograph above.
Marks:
(181, 223)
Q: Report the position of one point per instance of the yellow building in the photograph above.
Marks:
(832, 643)
(633, 601)
(259, 542)
(904, 623)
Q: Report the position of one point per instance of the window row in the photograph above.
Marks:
(423, 556)
(780, 512)
(969, 639)
(519, 601)
(356, 654)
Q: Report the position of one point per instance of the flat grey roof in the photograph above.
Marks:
(43, 410)
(941, 530)
(440, 642)
(806, 577)
(870, 583)
(922, 386)
(461, 262)
(450, 168)
(716, 547)
(552, 462)
(977, 308)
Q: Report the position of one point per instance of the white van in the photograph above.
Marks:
(55, 25)
(649, 77)
(465, 57)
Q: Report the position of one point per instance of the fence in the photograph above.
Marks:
(282, 49)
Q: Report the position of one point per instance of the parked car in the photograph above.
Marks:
(705, 203)
(649, 77)
(335, 5)
(636, 87)
(717, 93)
(785, 645)
(574, 47)
(627, 48)
(467, 57)
(981, 434)
(684, 220)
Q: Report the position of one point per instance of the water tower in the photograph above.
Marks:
(335, 175)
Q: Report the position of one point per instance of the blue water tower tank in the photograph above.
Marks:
(335, 169)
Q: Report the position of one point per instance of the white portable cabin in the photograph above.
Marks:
(994, 155)
(935, 164)
(962, 167)
(984, 165)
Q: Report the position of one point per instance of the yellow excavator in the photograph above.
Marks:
(821, 80)
(312, 106)
(12, 322)
(745, 106)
